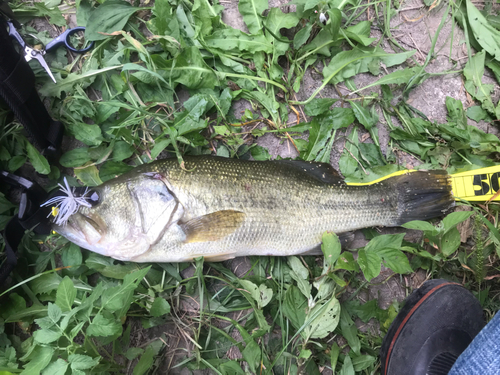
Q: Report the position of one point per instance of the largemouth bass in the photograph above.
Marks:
(222, 208)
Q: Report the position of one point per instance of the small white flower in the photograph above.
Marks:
(310, 302)
(322, 18)
(66, 205)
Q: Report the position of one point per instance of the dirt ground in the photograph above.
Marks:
(414, 27)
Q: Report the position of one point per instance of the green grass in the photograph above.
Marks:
(72, 311)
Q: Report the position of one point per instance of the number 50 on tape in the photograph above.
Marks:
(477, 185)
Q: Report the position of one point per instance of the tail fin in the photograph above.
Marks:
(422, 195)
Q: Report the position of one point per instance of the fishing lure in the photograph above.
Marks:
(66, 205)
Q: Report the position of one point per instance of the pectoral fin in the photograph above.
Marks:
(213, 227)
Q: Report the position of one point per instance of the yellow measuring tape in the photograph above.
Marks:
(477, 185)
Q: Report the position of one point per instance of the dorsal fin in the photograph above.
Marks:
(323, 172)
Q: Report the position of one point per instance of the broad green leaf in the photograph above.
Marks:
(362, 362)
(486, 35)
(450, 241)
(225, 100)
(294, 306)
(385, 241)
(122, 150)
(297, 266)
(346, 262)
(145, 362)
(82, 362)
(321, 129)
(252, 354)
(160, 307)
(88, 175)
(87, 133)
(275, 21)
(268, 102)
(106, 266)
(112, 169)
(473, 72)
(66, 294)
(364, 116)
(325, 286)
(335, 22)
(347, 163)
(252, 10)
(58, 367)
(305, 353)
(39, 359)
(308, 4)
(111, 16)
(45, 283)
(16, 162)
(38, 161)
(189, 121)
(112, 298)
(303, 284)
(302, 36)
(495, 68)
(261, 294)
(318, 106)
(451, 220)
(349, 63)
(325, 318)
(330, 247)
(158, 148)
(334, 356)
(456, 112)
(66, 84)
(300, 274)
(477, 113)
(54, 312)
(369, 262)
(421, 225)
(162, 13)
(206, 12)
(83, 13)
(260, 153)
(349, 331)
(14, 304)
(102, 326)
(233, 40)
(75, 158)
(146, 75)
(71, 255)
(395, 259)
(54, 13)
(5, 205)
(368, 310)
(347, 367)
(360, 32)
(231, 368)
(189, 69)
(27, 314)
(397, 77)
(46, 336)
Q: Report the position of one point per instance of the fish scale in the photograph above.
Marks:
(230, 207)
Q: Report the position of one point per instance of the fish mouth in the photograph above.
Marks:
(83, 230)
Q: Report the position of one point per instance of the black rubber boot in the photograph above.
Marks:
(436, 324)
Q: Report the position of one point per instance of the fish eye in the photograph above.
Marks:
(93, 197)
